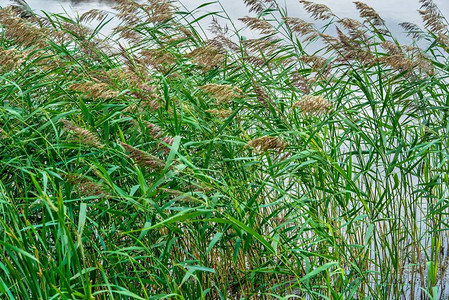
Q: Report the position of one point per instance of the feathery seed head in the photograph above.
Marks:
(222, 92)
(412, 30)
(94, 90)
(315, 105)
(160, 59)
(300, 26)
(85, 186)
(220, 113)
(85, 136)
(207, 57)
(267, 45)
(159, 134)
(11, 59)
(257, 6)
(266, 143)
(22, 31)
(316, 63)
(93, 14)
(369, 14)
(261, 25)
(159, 11)
(317, 11)
(142, 158)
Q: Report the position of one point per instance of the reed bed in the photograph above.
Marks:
(154, 162)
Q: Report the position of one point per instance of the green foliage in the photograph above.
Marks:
(154, 163)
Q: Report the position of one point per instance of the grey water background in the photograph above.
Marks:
(393, 11)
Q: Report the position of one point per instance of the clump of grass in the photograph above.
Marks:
(156, 162)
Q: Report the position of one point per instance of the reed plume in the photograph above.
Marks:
(142, 158)
(94, 90)
(85, 186)
(93, 14)
(316, 63)
(265, 45)
(85, 136)
(23, 10)
(207, 57)
(160, 59)
(220, 113)
(432, 18)
(221, 92)
(317, 11)
(11, 58)
(266, 143)
(144, 105)
(369, 14)
(299, 26)
(412, 30)
(315, 105)
(261, 25)
(401, 61)
(350, 49)
(22, 31)
(159, 11)
(221, 37)
(127, 8)
(258, 6)
(255, 60)
(179, 194)
(261, 95)
(349, 23)
(157, 133)
(300, 82)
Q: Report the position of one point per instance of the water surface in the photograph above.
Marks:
(393, 11)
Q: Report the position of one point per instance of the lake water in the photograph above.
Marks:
(393, 11)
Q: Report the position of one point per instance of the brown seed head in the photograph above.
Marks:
(266, 143)
(317, 11)
(220, 113)
(261, 25)
(85, 136)
(302, 83)
(208, 57)
(142, 158)
(222, 92)
(433, 20)
(180, 195)
(94, 90)
(300, 26)
(412, 30)
(315, 105)
(159, 134)
(391, 47)
(93, 14)
(11, 59)
(85, 186)
(316, 63)
(159, 11)
(257, 6)
(266, 45)
(369, 14)
(350, 24)
(160, 59)
(22, 31)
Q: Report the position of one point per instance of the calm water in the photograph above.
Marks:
(393, 11)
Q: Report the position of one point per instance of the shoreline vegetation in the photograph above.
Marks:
(154, 163)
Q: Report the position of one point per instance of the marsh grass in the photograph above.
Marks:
(156, 163)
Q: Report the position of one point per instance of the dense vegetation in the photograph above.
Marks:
(157, 163)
